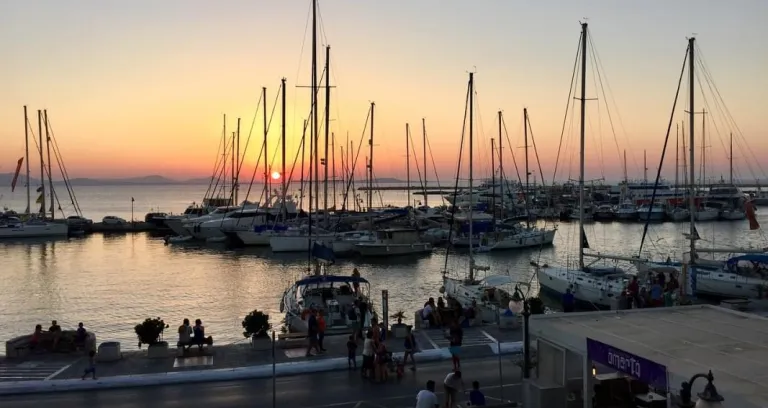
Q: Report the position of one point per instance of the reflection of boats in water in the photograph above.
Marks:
(334, 296)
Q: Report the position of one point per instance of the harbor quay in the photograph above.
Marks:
(337, 389)
(260, 358)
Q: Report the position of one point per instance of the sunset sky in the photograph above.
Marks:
(140, 87)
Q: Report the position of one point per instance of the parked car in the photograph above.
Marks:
(113, 220)
(76, 220)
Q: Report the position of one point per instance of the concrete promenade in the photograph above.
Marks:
(340, 389)
(51, 373)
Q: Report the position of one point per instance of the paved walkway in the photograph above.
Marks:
(478, 342)
(340, 389)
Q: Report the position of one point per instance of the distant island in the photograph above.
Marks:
(153, 180)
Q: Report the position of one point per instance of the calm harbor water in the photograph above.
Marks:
(112, 282)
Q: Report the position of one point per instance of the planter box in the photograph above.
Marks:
(158, 350)
(399, 331)
(109, 351)
(261, 343)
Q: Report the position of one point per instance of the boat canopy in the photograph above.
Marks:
(761, 258)
(496, 280)
(321, 279)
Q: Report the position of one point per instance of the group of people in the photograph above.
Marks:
(192, 335)
(452, 383)
(53, 334)
(660, 292)
(315, 330)
(439, 314)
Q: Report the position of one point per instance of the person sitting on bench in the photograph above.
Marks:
(185, 335)
(199, 334)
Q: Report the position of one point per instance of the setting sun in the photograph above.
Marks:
(275, 175)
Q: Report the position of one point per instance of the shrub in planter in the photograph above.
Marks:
(150, 331)
(256, 324)
(400, 315)
(536, 305)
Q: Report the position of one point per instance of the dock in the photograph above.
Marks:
(121, 228)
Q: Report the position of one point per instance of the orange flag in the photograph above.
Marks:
(749, 208)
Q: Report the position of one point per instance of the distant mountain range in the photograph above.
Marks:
(154, 180)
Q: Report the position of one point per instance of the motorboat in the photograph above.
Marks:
(488, 294)
(394, 241)
(651, 212)
(604, 212)
(259, 235)
(707, 212)
(521, 237)
(678, 214)
(345, 243)
(627, 211)
(299, 239)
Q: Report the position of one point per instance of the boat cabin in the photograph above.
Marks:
(750, 266)
(333, 295)
(398, 236)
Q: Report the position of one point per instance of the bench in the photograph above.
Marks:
(292, 340)
(183, 347)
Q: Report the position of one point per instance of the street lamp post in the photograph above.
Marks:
(519, 297)
(707, 399)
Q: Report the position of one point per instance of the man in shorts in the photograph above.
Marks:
(452, 383)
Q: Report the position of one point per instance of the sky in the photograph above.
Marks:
(138, 88)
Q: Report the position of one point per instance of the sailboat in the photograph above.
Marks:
(12, 226)
(742, 276)
(487, 293)
(593, 286)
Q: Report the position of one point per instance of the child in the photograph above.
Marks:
(476, 397)
(91, 365)
(352, 352)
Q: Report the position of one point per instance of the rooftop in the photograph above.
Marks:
(687, 339)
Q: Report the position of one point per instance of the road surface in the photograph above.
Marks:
(323, 390)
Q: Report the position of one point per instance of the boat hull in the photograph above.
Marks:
(590, 292)
(296, 243)
(526, 240)
(375, 249)
(34, 231)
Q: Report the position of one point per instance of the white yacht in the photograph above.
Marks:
(190, 225)
(394, 241)
(678, 214)
(488, 294)
(241, 219)
(522, 237)
(175, 222)
(298, 239)
(627, 211)
(13, 227)
(707, 212)
(651, 212)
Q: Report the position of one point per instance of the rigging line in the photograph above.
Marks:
(354, 163)
(514, 160)
(720, 110)
(223, 165)
(538, 162)
(63, 170)
(456, 184)
(250, 133)
(595, 75)
(663, 153)
(602, 73)
(213, 171)
(434, 165)
(725, 106)
(567, 107)
(290, 178)
(422, 182)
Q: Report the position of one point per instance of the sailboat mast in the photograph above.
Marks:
(677, 158)
(234, 166)
(527, 172)
(313, 133)
(685, 161)
(48, 148)
(424, 158)
(730, 164)
(407, 163)
(645, 166)
(327, 128)
(501, 167)
(493, 181)
(238, 163)
(581, 140)
(266, 152)
(626, 176)
(333, 167)
(283, 176)
(26, 156)
(471, 164)
(703, 147)
(692, 151)
(224, 157)
(370, 165)
(42, 163)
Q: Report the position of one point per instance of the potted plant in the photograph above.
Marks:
(399, 329)
(536, 305)
(256, 327)
(150, 332)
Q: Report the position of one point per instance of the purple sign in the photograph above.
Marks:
(647, 371)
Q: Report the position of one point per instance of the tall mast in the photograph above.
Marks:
(493, 182)
(26, 156)
(677, 158)
(692, 151)
(42, 163)
(48, 148)
(527, 172)
(703, 147)
(350, 155)
(283, 187)
(313, 135)
(407, 163)
(370, 163)
(471, 164)
(501, 166)
(266, 152)
(626, 176)
(224, 157)
(581, 140)
(730, 169)
(685, 161)
(645, 166)
(234, 166)
(327, 126)
(237, 165)
(424, 158)
(333, 167)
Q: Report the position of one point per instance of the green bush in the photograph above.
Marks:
(150, 331)
(256, 324)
